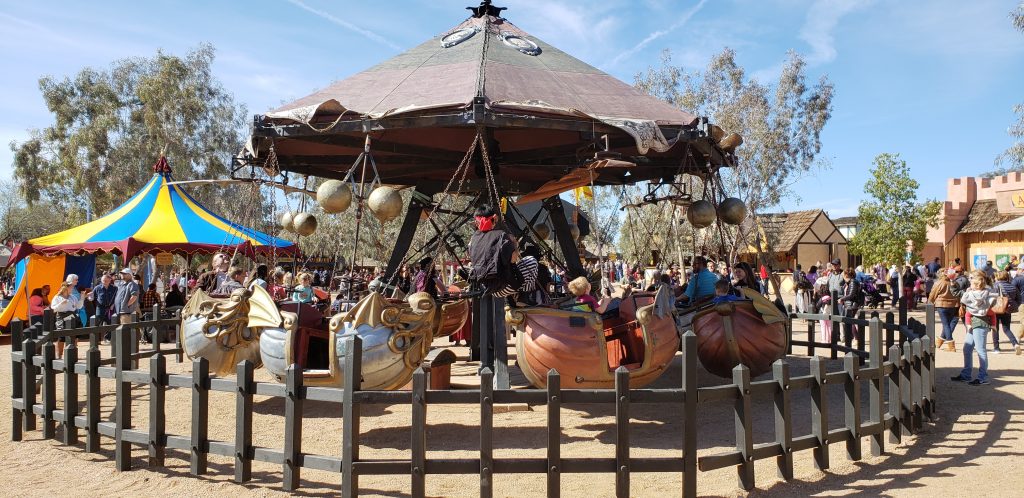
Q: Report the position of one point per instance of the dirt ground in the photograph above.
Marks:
(974, 446)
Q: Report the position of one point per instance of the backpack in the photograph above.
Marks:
(491, 255)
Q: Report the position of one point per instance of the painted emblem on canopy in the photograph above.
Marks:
(519, 43)
(456, 37)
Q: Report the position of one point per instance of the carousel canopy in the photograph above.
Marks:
(158, 218)
(546, 113)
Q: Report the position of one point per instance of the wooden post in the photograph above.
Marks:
(554, 406)
(834, 327)
(742, 419)
(292, 427)
(486, 432)
(783, 419)
(819, 414)
(49, 390)
(895, 394)
(690, 394)
(350, 417)
(157, 412)
(877, 401)
(811, 340)
(789, 328)
(92, 398)
(851, 363)
(622, 432)
(70, 394)
(917, 385)
(28, 379)
(123, 401)
(243, 418)
(906, 390)
(418, 434)
(890, 330)
(17, 381)
(200, 416)
(859, 335)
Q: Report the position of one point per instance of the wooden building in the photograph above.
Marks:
(799, 237)
(982, 220)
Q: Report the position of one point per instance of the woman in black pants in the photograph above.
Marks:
(1004, 288)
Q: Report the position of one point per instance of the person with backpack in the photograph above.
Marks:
(1005, 289)
(491, 252)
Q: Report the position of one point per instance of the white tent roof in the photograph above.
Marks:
(1009, 226)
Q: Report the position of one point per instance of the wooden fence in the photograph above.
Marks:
(900, 380)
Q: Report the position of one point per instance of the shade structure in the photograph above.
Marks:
(158, 218)
(545, 113)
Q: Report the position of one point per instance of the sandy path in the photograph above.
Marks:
(975, 446)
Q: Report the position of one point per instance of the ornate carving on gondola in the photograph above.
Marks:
(227, 330)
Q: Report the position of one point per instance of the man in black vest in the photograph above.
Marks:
(490, 251)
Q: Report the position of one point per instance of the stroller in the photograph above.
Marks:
(873, 296)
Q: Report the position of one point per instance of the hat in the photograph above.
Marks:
(837, 262)
(126, 270)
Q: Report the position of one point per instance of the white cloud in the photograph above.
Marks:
(656, 35)
(822, 19)
(347, 25)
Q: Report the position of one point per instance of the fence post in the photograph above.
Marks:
(554, 406)
(907, 390)
(17, 382)
(28, 372)
(243, 417)
(789, 329)
(859, 335)
(157, 414)
(92, 398)
(200, 415)
(890, 329)
(819, 413)
(834, 326)
(350, 417)
(811, 340)
(742, 418)
(292, 427)
(690, 394)
(123, 400)
(783, 419)
(49, 390)
(486, 428)
(929, 330)
(917, 385)
(70, 393)
(851, 362)
(895, 394)
(622, 432)
(418, 434)
(877, 401)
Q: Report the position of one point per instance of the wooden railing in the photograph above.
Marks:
(900, 390)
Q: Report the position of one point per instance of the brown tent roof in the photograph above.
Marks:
(495, 60)
(984, 215)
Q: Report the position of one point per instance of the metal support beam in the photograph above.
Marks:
(406, 234)
(556, 214)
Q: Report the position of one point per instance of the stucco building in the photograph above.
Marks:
(982, 220)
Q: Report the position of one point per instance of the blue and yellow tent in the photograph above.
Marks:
(158, 218)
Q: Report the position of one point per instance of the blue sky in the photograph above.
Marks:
(933, 80)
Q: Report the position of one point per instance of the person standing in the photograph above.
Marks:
(978, 300)
(851, 300)
(103, 295)
(1003, 287)
(491, 252)
(835, 277)
(947, 305)
(909, 284)
(801, 287)
(126, 301)
(990, 271)
(65, 306)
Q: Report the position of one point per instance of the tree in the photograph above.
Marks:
(20, 221)
(780, 122)
(893, 215)
(111, 125)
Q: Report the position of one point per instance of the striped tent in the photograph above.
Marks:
(158, 218)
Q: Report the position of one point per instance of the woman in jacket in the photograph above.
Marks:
(909, 280)
(65, 306)
(948, 307)
(1003, 287)
(850, 300)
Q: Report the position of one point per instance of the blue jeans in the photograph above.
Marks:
(1003, 321)
(949, 318)
(976, 338)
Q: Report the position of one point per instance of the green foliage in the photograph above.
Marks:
(893, 215)
(110, 126)
(20, 221)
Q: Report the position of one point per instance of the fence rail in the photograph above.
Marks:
(900, 380)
